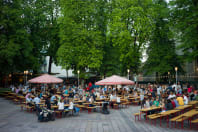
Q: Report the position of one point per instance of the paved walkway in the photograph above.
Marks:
(14, 120)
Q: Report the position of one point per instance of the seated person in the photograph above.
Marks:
(156, 102)
(171, 95)
(151, 102)
(91, 100)
(36, 100)
(169, 105)
(118, 100)
(147, 103)
(173, 102)
(60, 105)
(180, 100)
(29, 100)
(176, 102)
(53, 98)
(71, 104)
(185, 100)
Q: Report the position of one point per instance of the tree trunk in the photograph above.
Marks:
(50, 65)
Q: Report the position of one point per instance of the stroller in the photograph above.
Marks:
(46, 115)
(104, 108)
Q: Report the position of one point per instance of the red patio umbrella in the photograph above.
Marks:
(115, 80)
(45, 78)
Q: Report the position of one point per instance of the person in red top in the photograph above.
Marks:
(173, 103)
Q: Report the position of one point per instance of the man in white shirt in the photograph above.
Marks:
(36, 100)
(61, 105)
(185, 100)
(171, 95)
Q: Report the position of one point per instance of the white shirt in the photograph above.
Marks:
(185, 100)
(171, 96)
(36, 100)
(71, 105)
(61, 105)
(118, 99)
(111, 97)
(158, 90)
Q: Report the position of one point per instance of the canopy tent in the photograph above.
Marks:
(115, 80)
(45, 78)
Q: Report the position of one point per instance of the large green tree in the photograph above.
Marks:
(130, 28)
(185, 24)
(81, 45)
(161, 52)
(15, 46)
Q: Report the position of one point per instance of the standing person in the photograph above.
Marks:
(47, 102)
(159, 88)
(142, 99)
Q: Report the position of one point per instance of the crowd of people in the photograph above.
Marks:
(167, 96)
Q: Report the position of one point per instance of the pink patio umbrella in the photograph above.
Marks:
(45, 78)
(115, 80)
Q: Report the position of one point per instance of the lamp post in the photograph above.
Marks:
(176, 68)
(128, 70)
(169, 77)
(78, 77)
(26, 72)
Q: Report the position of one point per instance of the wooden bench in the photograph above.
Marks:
(154, 117)
(58, 113)
(16, 101)
(115, 106)
(136, 102)
(137, 115)
(90, 109)
(29, 108)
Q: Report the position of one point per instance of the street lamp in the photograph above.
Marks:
(176, 68)
(169, 77)
(128, 70)
(78, 77)
(26, 72)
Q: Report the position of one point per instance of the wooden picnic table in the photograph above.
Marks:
(146, 110)
(66, 105)
(193, 103)
(167, 114)
(189, 116)
(182, 108)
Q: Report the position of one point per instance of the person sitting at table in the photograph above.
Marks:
(91, 100)
(29, 100)
(156, 102)
(147, 103)
(171, 95)
(71, 104)
(185, 99)
(36, 100)
(60, 105)
(151, 101)
(66, 100)
(173, 102)
(118, 100)
(176, 102)
(53, 98)
(180, 100)
(168, 105)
